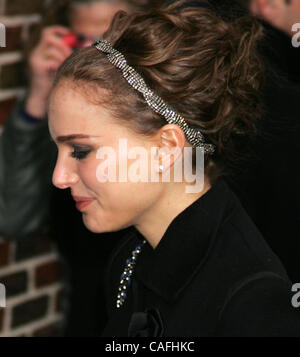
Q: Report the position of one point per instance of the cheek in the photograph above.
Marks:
(112, 194)
(87, 173)
(95, 176)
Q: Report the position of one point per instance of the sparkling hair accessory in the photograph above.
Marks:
(194, 136)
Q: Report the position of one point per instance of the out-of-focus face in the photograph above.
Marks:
(293, 13)
(279, 13)
(80, 129)
(94, 19)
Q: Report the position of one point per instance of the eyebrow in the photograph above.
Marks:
(63, 139)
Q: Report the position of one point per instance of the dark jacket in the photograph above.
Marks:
(269, 186)
(212, 274)
(27, 158)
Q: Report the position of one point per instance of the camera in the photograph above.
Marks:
(77, 41)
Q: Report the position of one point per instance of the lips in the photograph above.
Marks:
(82, 202)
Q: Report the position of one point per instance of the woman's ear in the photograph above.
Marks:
(170, 141)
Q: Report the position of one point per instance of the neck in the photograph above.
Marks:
(155, 221)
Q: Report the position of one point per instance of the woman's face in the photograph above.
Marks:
(94, 19)
(80, 129)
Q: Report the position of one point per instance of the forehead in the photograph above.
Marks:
(70, 112)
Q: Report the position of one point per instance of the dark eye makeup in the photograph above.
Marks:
(80, 152)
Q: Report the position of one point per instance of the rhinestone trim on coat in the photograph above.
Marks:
(125, 278)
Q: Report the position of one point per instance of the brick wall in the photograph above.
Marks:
(31, 272)
(18, 25)
(30, 269)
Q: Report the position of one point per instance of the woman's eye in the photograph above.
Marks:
(80, 152)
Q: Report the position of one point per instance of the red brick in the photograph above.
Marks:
(12, 76)
(15, 283)
(48, 273)
(5, 108)
(13, 39)
(29, 311)
(34, 245)
(15, 7)
(34, 30)
(1, 318)
(4, 253)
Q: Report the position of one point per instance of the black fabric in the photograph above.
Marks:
(268, 181)
(269, 186)
(212, 274)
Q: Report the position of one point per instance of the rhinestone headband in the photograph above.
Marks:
(194, 136)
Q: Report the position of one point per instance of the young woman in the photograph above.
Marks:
(167, 83)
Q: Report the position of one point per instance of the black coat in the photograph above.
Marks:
(269, 186)
(212, 274)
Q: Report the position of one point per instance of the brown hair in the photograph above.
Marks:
(206, 69)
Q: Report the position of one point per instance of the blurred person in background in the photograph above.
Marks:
(282, 14)
(282, 18)
(28, 201)
(269, 187)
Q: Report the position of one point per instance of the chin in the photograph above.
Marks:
(95, 226)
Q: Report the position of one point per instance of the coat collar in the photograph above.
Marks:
(185, 245)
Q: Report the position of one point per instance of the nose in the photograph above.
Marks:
(64, 175)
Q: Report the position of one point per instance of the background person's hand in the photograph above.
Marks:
(44, 60)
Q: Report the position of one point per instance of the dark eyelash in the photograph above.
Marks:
(80, 152)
